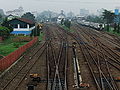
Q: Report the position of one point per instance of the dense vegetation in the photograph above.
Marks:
(108, 18)
(29, 16)
(4, 31)
(67, 23)
(95, 19)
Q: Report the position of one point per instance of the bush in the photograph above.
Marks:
(1, 57)
(67, 23)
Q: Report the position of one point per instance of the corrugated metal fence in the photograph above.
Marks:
(12, 57)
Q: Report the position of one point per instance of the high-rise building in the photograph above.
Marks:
(2, 12)
(117, 13)
(117, 10)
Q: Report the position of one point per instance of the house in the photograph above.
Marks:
(21, 26)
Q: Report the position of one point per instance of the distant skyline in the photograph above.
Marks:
(57, 5)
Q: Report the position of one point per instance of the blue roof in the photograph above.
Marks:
(21, 32)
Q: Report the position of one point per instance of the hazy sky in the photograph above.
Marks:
(57, 5)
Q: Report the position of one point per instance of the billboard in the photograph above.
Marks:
(116, 11)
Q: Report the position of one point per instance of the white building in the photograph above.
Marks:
(61, 17)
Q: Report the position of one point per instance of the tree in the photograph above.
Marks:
(4, 31)
(1, 18)
(6, 24)
(94, 18)
(108, 16)
(29, 16)
(67, 23)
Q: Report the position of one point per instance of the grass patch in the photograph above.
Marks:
(41, 36)
(111, 30)
(66, 28)
(8, 46)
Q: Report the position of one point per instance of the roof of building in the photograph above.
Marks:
(24, 20)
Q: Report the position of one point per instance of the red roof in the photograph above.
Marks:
(26, 20)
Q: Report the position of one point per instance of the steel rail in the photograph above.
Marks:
(22, 68)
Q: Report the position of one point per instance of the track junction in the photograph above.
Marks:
(84, 58)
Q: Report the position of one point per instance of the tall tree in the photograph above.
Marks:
(1, 18)
(108, 16)
(6, 24)
(94, 18)
(29, 16)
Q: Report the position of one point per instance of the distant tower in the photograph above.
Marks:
(62, 12)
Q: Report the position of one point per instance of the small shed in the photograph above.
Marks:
(22, 26)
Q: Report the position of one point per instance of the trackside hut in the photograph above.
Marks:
(21, 26)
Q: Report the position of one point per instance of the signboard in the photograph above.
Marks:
(116, 11)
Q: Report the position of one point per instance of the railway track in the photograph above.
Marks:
(98, 57)
(107, 81)
(17, 79)
(57, 63)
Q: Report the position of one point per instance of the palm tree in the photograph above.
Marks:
(108, 16)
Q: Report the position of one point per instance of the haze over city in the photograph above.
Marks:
(57, 5)
(59, 44)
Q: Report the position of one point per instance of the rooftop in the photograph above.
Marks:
(24, 20)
